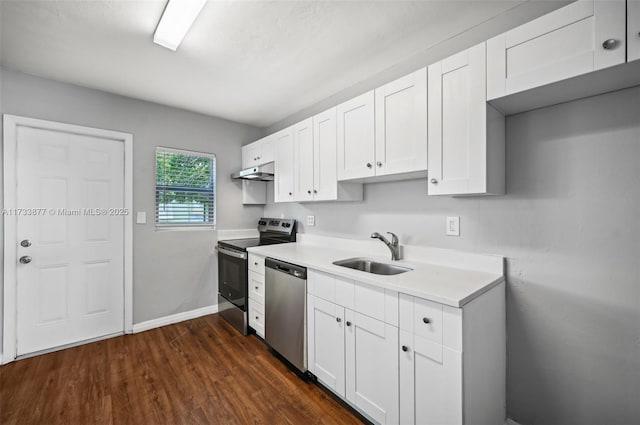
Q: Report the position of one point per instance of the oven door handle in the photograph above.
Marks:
(240, 255)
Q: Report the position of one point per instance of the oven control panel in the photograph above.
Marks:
(277, 225)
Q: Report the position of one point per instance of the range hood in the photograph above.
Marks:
(262, 173)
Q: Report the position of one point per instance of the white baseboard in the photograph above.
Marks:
(511, 422)
(174, 318)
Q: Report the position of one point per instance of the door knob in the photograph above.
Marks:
(434, 181)
(25, 243)
(610, 44)
(25, 259)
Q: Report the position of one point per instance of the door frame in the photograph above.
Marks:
(11, 124)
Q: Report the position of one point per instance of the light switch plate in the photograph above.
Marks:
(141, 217)
(311, 220)
(453, 226)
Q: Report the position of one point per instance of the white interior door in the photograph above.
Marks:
(73, 287)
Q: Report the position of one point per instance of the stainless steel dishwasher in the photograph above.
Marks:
(285, 322)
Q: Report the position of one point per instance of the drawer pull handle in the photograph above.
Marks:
(338, 319)
(426, 320)
(348, 323)
(405, 348)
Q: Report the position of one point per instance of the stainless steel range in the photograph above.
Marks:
(233, 271)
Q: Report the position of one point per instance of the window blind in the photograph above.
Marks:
(185, 188)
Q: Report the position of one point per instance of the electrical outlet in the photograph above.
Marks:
(453, 226)
(311, 220)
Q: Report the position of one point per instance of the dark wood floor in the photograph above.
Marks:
(196, 372)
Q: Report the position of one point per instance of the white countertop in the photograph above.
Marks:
(443, 284)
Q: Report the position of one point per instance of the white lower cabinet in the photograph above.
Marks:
(433, 365)
(372, 367)
(325, 349)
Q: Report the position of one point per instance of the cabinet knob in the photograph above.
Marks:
(434, 181)
(426, 320)
(368, 165)
(256, 288)
(309, 192)
(405, 348)
(256, 263)
(610, 44)
(315, 191)
(290, 193)
(379, 163)
(338, 319)
(25, 243)
(256, 317)
(258, 157)
(348, 323)
(25, 259)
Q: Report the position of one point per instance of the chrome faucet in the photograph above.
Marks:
(393, 246)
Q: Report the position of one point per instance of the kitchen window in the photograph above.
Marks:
(185, 188)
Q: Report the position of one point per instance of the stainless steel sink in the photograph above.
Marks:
(371, 266)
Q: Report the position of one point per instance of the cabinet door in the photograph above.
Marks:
(325, 165)
(325, 323)
(372, 367)
(457, 123)
(401, 125)
(633, 30)
(250, 154)
(267, 150)
(356, 137)
(562, 44)
(303, 160)
(430, 382)
(283, 181)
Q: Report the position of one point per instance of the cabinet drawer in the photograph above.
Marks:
(256, 263)
(256, 317)
(331, 288)
(421, 317)
(381, 304)
(256, 287)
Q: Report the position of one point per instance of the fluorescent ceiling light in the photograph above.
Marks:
(176, 20)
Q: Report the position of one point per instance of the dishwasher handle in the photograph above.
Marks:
(287, 268)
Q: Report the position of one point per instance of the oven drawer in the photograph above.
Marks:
(256, 317)
(256, 287)
(256, 263)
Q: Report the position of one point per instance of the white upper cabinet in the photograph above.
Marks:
(633, 30)
(466, 135)
(303, 160)
(258, 153)
(315, 168)
(582, 37)
(283, 184)
(356, 137)
(401, 125)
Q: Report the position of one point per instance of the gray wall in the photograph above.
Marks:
(569, 228)
(174, 271)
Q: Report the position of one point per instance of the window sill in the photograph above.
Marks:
(184, 228)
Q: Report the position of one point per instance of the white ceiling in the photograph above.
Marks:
(255, 62)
